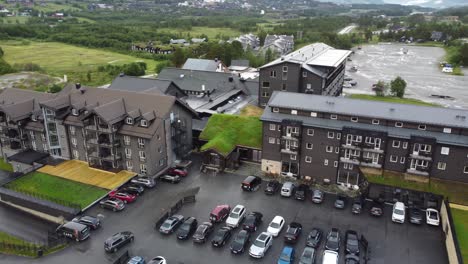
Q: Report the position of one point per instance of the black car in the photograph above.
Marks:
(90, 221)
(314, 238)
(415, 216)
(221, 236)
(118, 240)
(351, 259)
(252, 221)
(240, 242)
(340, 202)
(187, 228)
(301, 192)
(170, 178)
(133, 189)
(202, 232)
(352, 242)
(171, 224)
(358, 204)
(333, 240)
(272, 187)
(292, 232)
(376, 208)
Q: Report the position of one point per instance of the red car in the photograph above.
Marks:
(177, 171)
(125, 197)
(220, 213)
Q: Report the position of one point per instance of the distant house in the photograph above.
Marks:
(248, 41)
(437, 36)
(279, 44)
(153, 49)
(179, 41)
(57, 15)
(239, 65)
(204, 65)
(198, 40)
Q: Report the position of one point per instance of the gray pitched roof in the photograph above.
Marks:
(242, 63)
(19, 103)
(372, 109)
(138, 84)
(201, 64)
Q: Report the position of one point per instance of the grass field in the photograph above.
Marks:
(14, 20)
(390, 99)
(5, 165)
(212, 33)
(32, 252)
(460, 217)
(58, 188)
(58, 59)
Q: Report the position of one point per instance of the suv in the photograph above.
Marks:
(90, 221)
(187, 228)
(314, 238)
(133, 189)
(170, 178)
(251, 183)
(340, 202)
(352, 242)
(272, 187)
(287, 189)
(73, 230)
(171, 224)
(113, 204)
(317, 196)
(358, 204)
(333, 240)
(292, 232)
(177, 171)
(236, 216)
(220, 213)
(261, 245)
(144, 181)
(118, 240)
(398, 215)
(301, 192)
(252, 221)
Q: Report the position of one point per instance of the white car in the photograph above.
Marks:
(330, 257)
(398, 215)
(261, 245)
(287, 189)
(236, 216)
(144, 181)
(447, 69)
(157, 260)
(275, 226)
(432, 217)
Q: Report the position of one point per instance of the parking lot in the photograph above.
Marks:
(388, 242)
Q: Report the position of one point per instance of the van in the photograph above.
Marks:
(330, 257)
(398, 213)
(287, 189)
(220, 213)
(251, 183)
(75, 231)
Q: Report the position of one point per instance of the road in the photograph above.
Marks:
(347, 29)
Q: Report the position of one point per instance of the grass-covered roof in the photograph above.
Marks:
(225, 132)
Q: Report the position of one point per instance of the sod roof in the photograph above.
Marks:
(225, 132)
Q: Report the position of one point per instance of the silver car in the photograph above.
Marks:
(144, 181)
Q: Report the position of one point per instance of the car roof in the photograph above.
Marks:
(399, 205)
(288, 183)
(218, 208)
(277, 218)
(287, 250)
(263, 236)
(250, 178)
(238, 207)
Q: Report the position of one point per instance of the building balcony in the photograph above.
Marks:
(111, 157)
(373, 150)
(346, 146)
(419, 155)
(371, 165)
(354, 161)
(289, 151)
(290, 137)
(417, 172)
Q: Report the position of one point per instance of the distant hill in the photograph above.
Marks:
(423, 3)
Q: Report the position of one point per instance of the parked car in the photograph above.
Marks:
(415, 215)
(133, 189)
(293, 232)
(353, 83)
(340, 202)
(144, 181)
(287, 256)
(202, 232)
(447, 69)
(118, 240)
(90, 221)
(358, 204)
(287, 189)
(187, 228)
(136, 260)
(317, 196)
(170, 178)
(171, 224)
(113, 204)
(251, 183)
(351, 242)
(221, 236)
(158, 260)
(333, 240)
(125, 197)
(74, 231)
(308, 256)
(275, 226)
(301, 192)
(236, 216)
(398, 213)
(351, 259)
(314, 238)
(261, 245)
(432, 217)
(376, 208)
(330, 257)
(177, 171)
(272, 187)
(240, 242)
(252, 221)
(220, 213)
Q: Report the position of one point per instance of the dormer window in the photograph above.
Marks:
(129, 121)
(74, 111)
(144, 123)
(34, 118)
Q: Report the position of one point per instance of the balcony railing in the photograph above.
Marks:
(371, 165)
(290, 137)
(417, 172)
(351, 146)
(289, 151)
(373, 150)
(421, 156)
(354, 161)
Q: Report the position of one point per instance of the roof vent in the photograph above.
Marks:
(181, 76)
(231, 79)
(77, 85)
(121, 74)
(82, 90)
(392, 109)
(282, 58)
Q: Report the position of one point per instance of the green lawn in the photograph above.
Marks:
(14, 20)
(211, 32)
(5, 165)
(32, 252)
(58, 188)
(225, 132)
(460, 217)
(391, 99)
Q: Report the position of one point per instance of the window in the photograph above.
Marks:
(129, 164)
(32, 134)
(293, 157)
(265, 84)
(128, 153)
(308, 159)
(310, 132)
(141, 142)
(329, 148)
(278, 141)
(73, 141)
(293, 112)
(398, 124)
(421, 147)
(285, 68)
(265, 94)
(127, 140)
(405, 145)
(74, 111)
(354, 119)
(129, 121)
(350, 139)
(283, 87)
(325, 162)
(72, 130)
(44, 146)
(447, 130)
(313, 114)
(338, 135)
(161, 162)
(402, 160)
(34, 146)
(331, 134)
(304, 74)
(272, 127)
(271, 140)
(143, 169)
(333, 117)
(422, 127)
(275, 109)
(350, 166)
(142, 155)
(444, 151)
(337, 150)
(309, 146)
(273, 74)
(34, 118)
(335, 164)
(345, 166)
(441, 165)
(144, 123)
(76, 154)
(309, 86)
(375, 121)
(393, 158)
(396, 144)
(465, 170)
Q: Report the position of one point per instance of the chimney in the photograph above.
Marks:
(121, 74)
(231, 79)
(82, 90)
(77, 86)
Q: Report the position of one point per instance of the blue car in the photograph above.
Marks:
(136, 260)
(287, 256)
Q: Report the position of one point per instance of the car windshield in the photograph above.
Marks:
(185, 227)
(234, 215)
(240, 238)
(274, 225)
(259, 243)
(433, 215)
(166, 224)
(285, 257)
(291, 230)
(399, 212)
(200, 230)
(307, 254)
(352, 242)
